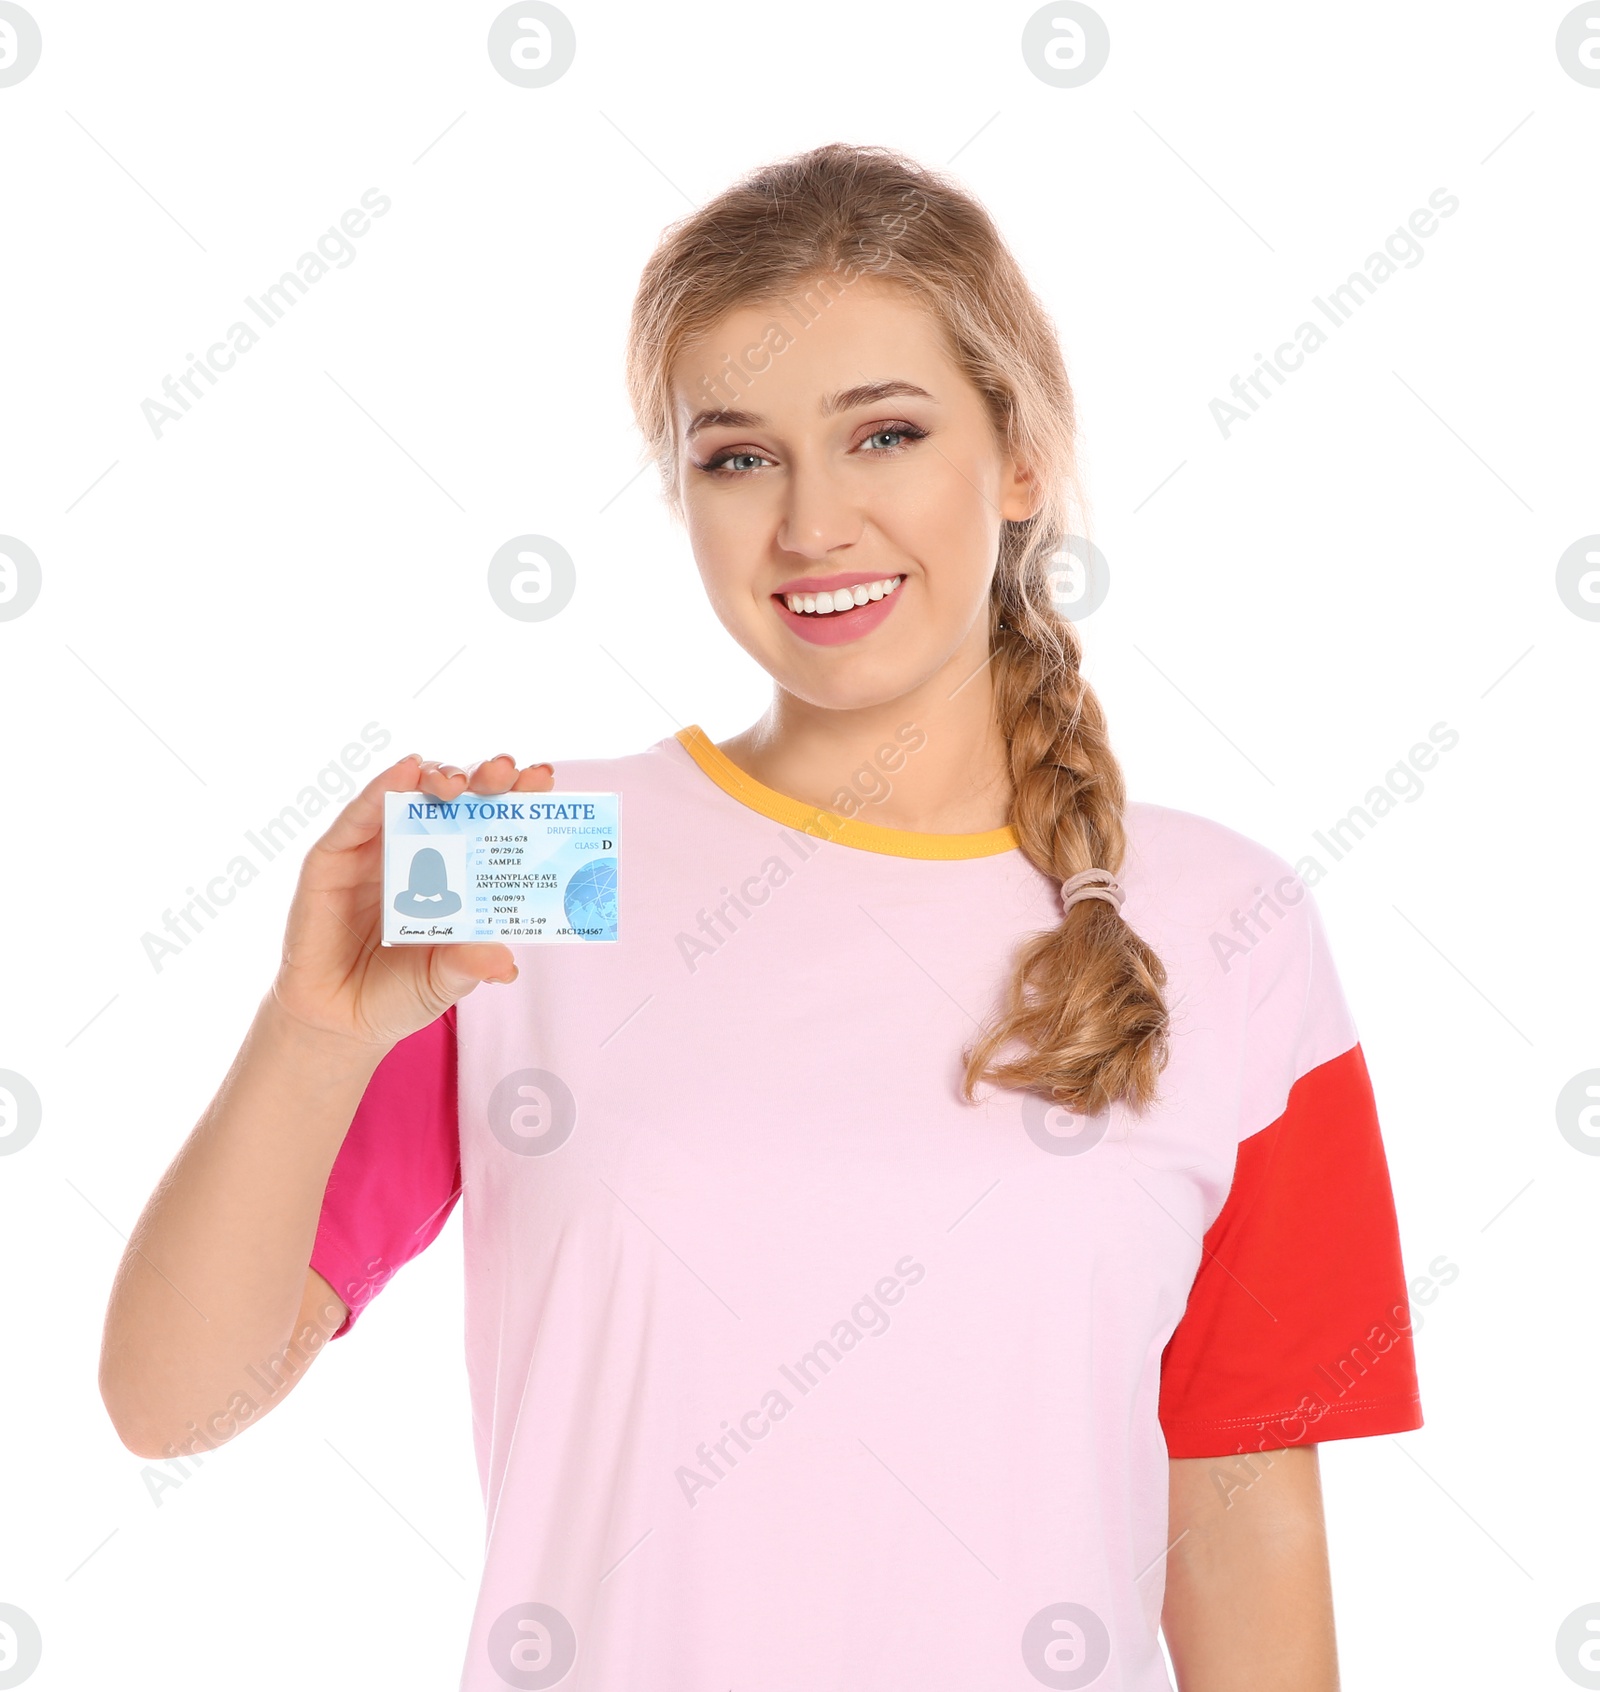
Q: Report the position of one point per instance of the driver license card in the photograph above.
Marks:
(521, 868)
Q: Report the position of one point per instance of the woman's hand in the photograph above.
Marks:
(334, 977)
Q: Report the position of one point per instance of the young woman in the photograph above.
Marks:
(926, 1249)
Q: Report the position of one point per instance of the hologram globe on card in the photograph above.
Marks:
(591, 901)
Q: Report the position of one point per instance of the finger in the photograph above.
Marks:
(362, 818)
(492, 775)
(456, 970)
(537, 778)
(443, 781)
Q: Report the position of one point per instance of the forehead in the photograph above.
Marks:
(819, 340)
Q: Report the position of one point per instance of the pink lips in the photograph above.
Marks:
(835, 628)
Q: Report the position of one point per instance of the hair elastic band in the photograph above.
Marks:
(1090, 884)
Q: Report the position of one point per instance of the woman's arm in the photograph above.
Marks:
(1249, 1604)
(215, 1313)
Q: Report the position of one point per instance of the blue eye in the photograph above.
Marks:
(893, 438)
(734, 463)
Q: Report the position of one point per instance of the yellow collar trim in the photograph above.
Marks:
(830, 825)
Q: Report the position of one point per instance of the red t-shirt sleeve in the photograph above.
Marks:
(398, 1174)
(1297, 1328)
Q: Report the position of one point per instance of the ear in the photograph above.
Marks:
(1020, 492)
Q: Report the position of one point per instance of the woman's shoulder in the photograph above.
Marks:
(1227, 911)
(1180, 858)
(663, 761)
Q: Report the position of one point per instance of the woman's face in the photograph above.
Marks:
(854, 462)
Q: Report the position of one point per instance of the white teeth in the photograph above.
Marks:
(841, 599)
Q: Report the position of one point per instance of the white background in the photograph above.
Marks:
(224, 607)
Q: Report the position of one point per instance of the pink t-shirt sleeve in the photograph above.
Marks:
(398, 1174)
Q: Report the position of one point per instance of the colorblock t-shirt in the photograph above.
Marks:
(791, 1370)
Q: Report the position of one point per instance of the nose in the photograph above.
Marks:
(819, 516)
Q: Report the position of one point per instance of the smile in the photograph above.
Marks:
(841, 599)
(825, 614)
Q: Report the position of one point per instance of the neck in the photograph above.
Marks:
(932, 760)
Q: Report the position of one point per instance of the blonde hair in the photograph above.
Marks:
(1083, 1018)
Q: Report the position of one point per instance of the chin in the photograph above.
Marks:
(854, 683)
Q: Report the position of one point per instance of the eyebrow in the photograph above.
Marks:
(866, 393)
